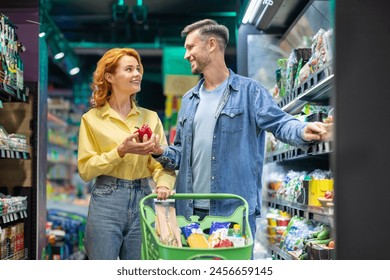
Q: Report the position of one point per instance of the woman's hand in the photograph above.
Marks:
(132, 145)
(163, 192)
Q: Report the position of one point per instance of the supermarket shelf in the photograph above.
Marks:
(10, 94)
(56, 120)
(320, 214)
(22, 255)
(81, 210)
(317, 88)
(59, 161)
(13, 216)
(11, 154)
(280, 254)
(294, 153)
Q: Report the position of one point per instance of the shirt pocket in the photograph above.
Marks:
(232, 120)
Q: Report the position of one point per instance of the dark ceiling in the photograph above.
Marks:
(91, 27)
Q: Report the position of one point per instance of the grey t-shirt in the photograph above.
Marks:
(203, 129)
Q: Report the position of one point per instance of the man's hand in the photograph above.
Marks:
(157, 148)
(318, 131)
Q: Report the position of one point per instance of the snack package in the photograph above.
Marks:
(194, 236)
(218, 232)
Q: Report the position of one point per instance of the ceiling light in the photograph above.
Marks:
(59, 55)
(74, 71)
(250, 11)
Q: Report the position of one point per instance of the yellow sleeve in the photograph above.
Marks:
(90, 163)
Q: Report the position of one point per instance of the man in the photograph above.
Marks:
(220, 134)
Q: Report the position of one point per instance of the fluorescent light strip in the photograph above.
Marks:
(250, 11)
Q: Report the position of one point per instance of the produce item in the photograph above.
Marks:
(144, 130)
(224, 243)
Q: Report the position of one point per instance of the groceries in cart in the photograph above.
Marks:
(194, 236)
(166, 223)
(166, 236)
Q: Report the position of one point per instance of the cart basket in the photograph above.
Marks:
(153, 249)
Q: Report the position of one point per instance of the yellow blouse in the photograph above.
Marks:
(102, 130)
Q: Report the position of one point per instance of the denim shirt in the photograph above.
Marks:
(246, 111)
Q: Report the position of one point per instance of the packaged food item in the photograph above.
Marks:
(195, 236)
(236, 236)
(166, 223)
(218, 232)
(17, 142)
(3, 138)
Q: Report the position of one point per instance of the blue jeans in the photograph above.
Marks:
(113, 225)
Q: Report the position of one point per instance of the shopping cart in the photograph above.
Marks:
(153, 249)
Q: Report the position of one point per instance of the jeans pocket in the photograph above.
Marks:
(101, 188)
(146, 190)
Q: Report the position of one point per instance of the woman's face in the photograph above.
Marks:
(127, 76)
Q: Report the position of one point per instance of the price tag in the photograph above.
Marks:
(25, 214)
(8, 153)
(11, 217)
(4, 220)
(12, 154)
(15, 216)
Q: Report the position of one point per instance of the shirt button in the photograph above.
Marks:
(232, 115)
(212, 157)
(212, 178)
(214, 136)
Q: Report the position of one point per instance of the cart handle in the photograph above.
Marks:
(207, 256)
(202, 196)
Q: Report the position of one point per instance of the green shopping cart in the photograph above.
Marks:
(153, 249)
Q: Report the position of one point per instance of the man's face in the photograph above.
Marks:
(196, 52)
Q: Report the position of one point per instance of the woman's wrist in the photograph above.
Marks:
(120, 151)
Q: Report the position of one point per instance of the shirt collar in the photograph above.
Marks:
(233, 84)
(105, 110)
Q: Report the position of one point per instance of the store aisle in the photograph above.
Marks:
(260, 251)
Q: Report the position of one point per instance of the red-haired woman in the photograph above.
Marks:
(111, 151)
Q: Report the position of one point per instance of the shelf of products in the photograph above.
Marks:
(16, 152)
(310, 91)
(298, 182)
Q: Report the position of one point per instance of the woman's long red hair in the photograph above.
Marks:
(108, 63)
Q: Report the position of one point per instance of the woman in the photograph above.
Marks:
(111, 151)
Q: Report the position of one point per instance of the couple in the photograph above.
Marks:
(218, 148)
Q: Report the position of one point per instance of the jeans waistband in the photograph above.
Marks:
(144, 182)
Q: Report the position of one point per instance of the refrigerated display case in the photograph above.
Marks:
(271, 53)
(359, 158)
